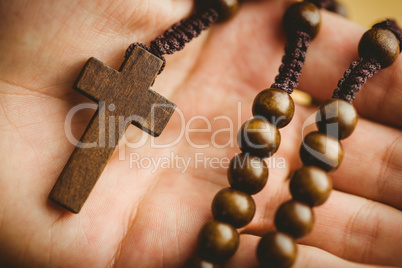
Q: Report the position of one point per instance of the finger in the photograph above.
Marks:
(306, 257)
(245, 255)
(331, 53)
(372, 164)
(349, 227)
(311, 256)
(358, 229)
(371, 167)
(364, 240)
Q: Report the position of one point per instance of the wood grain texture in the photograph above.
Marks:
(124, 97)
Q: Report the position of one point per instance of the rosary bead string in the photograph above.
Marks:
(301, 23)
(259, 138)
(310, 185)
(374, 55)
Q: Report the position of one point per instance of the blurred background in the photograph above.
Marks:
(368, 12)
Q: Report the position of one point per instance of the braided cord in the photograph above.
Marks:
(175, 38)
(292, 63)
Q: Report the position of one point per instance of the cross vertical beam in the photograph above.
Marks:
(128, 91)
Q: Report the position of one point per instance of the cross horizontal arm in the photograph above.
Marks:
(122, 94)
(94, 80)
(154, 113)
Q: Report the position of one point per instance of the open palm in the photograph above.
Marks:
(142, 215)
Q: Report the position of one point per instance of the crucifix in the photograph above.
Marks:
(124, 97)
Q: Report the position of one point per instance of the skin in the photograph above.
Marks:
(136, 218)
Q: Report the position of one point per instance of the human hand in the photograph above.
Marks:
(139, 218)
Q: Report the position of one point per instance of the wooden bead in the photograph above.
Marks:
(217, 241)
(233, 207)
(274, 105)
(197, 262)
(380, 44)
(334, 6)
(247, 173)
(294, 218)
(276, 249)
(259, 138)
(225, 8)
(304, 17)
(310, 185)
(322, 151)
(337, 118)
(339, 9)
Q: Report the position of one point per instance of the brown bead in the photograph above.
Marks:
(225, 8)
(197, 262)
(247, 173)
(322, 151)
(337, 118)
(339, 8)
(276, 249)
(303, 17)
(310, 185)
(259, 138)
(274, 105)
(333, 6)
(294, 218)
(380, 44)
(217, 241)
(233, 207)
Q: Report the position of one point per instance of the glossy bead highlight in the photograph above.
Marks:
(294, 218)
(217, 241)
(380, 44)
(276, 249)
(247, 173)
(310, 185)
(197, 262)
(258, 137)
(234, 207)
(321, 151)
(274, 105)
(225, 8)
(340, 9)
(337, 118)
(303, 17)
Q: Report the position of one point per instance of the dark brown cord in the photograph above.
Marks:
(355, 77)
(362, 69)
(295, 55)
(292, 63)
(175, 38)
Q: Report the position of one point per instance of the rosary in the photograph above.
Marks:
(127, 93)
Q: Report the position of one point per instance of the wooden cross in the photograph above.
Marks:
(122, 94)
